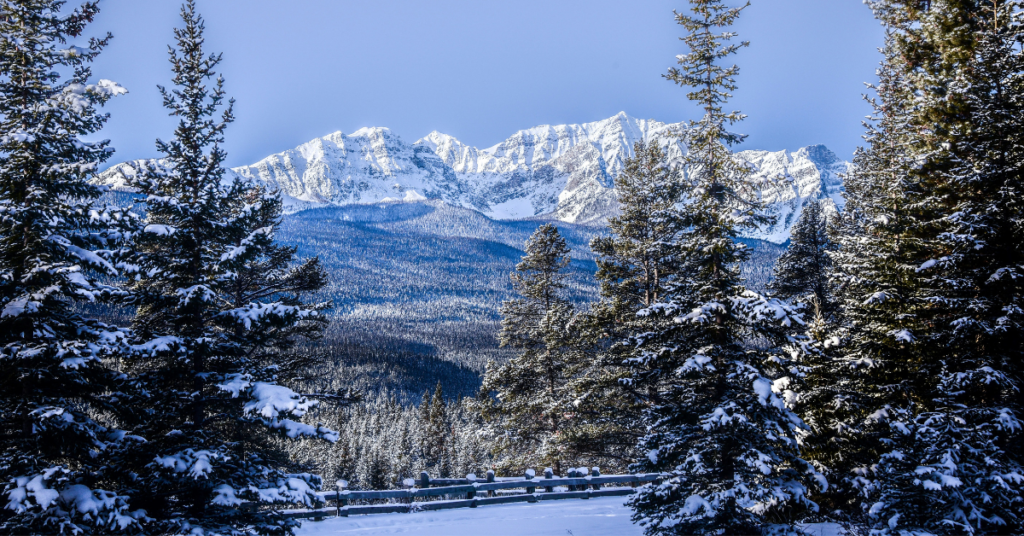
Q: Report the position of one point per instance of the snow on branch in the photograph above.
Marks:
(755, 308)
(198, 463)
(271, 400)
(256, 312)
(240, 249)
(79, 97)
(295, 429)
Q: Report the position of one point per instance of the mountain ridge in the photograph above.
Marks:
(561, 172)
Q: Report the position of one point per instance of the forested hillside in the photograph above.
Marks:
(417, 289)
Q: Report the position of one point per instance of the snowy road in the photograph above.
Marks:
(606, 516)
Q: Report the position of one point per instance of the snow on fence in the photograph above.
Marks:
(576, 485)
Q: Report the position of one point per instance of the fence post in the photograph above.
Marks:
(471, 478)
(424, 480)
(529, 476)
(339, 502)
(490, 479)
(595, 472)
(548, 475)
(572, 474)
(408, 484)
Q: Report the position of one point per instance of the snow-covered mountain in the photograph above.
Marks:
(810, 173)
(565, 172)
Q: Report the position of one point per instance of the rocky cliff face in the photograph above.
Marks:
(565, 171)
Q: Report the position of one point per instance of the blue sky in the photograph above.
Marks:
(482, 69)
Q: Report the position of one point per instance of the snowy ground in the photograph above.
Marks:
(605, 516)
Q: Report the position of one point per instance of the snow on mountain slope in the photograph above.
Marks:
(565, 171)
(369, 165)
(810, 173)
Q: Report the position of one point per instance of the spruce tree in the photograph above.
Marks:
(959, 320)
(530, 390)
(434, 433)
(636, 263)
(716, 377)
(217, 310)
(931, 302)
(802, 272)
(849, 373)
(59, 392)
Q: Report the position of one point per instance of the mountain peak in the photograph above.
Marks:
(438, 139)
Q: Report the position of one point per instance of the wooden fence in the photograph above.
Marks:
(471, 492)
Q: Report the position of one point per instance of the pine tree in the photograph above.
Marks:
(848, 374)
(930, 324)
(716, 377)
(217, 309)
(435, 433)
(59, 390)
(531, 399)
(802, 272)
(636, 263)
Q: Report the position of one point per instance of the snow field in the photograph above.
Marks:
(605, 516)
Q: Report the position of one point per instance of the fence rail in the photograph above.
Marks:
(577, 485)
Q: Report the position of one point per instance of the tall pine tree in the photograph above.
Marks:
(851, 372)
(531, 400)
(217, 310)
(636, 263)
(59, 394)
(717, 423)
(936, 315)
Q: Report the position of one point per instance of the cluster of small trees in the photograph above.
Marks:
(383, 442)
(159, 425)
(878, 383)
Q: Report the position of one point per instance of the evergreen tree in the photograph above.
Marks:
(59, 391)
(636, 263)
(217, 309)
(941, 331)
(531, 399)
(802, 272)
(716, 376)
(435, 433)
(851, 372)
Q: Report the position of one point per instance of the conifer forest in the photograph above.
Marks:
(186, 350)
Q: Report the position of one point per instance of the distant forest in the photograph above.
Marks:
(417, 289)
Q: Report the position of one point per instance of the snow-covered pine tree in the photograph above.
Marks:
(530, 390)
(216, 310)
(944, 331)
(636, 263)
(435, 434)
(802, 272)
(718, 423)
(848, 372)
(59, 393)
